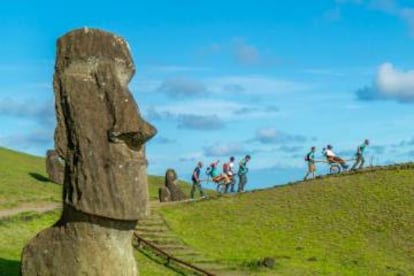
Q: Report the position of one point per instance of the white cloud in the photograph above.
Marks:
(224, 149)
(182, 88)
(199, 107)
(191, 157)
(389, 83)
(42, 112)
(395, 83)
(270, 135)
(241, 52)
(226, 110)
(198, 122)
(254, 85)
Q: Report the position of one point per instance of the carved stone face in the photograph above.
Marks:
(100, 132)
(171, 176)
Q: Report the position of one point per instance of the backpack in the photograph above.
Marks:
(208, 170)
(226, 167)
(307, 158)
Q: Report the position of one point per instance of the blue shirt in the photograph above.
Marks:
(197, 172)
(214, 172)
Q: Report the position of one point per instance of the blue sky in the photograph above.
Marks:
(269, 78)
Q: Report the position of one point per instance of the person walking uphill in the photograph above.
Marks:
(196, 181)
(360, 155)
(310, 158)
(242, 173)
(228, 170)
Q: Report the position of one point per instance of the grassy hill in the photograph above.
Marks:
(353, 224)
(357, 224)
(24, 182)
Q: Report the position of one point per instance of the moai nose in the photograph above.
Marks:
(134, 140)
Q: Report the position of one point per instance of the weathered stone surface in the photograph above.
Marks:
(100, 132)
(268, 262)
(80, 244)
(55, 167)
(171, 191)
(164, 194)
(100, 135)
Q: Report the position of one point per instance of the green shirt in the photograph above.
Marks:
(214, 172)
(311, 157)
(362, 148)
(243, 167)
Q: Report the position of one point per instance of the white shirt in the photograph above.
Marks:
(329, 153)
(231, 166)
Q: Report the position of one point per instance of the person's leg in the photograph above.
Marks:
(307, 174)
(239, 187)
(313, 169)
(362, 162)
(201, 189)
(357, 160)
(192, 190)
(228, 185)
(243, 180)
(233, 183)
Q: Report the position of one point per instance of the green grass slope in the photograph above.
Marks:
(359, 224)
(23, 181)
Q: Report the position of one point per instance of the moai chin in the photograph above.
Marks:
(100, 135)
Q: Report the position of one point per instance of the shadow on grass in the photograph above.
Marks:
(39, 177)
(9, 267)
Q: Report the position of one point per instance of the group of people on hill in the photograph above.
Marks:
(331, 157)
(227, 176)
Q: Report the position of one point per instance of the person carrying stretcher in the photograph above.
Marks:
(216, 176)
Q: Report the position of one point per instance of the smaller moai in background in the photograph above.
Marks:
(171, 191)
(55, 167)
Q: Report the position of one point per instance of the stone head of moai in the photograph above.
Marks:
(100, 133)
(171, 178)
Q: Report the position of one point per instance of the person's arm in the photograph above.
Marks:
(242, 166)
(195, 176)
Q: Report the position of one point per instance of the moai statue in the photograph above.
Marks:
(55, 167)
(171, 191)
(100, 135)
